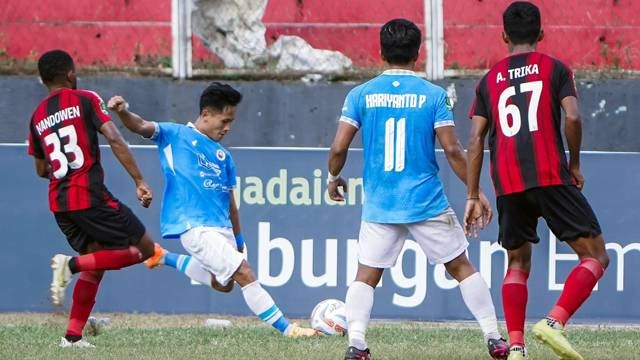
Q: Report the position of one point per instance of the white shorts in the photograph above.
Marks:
(215, 248)
(441, 238)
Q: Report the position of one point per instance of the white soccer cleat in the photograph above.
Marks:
(83, 344)
(61, 277)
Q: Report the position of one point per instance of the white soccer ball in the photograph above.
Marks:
(329, 317)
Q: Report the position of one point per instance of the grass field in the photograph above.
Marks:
(151, 336)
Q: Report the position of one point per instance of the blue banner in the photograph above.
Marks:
(303, 246)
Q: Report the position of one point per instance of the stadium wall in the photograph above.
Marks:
(303, 248)
(593, 35)
(304, 114)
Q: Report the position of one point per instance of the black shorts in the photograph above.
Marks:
(564, 208)
(110, 228)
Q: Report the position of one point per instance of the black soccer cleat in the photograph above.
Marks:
(354, 353)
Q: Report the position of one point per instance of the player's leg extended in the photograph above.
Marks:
(91, 231)
(443, 241)
(570, 217)
(379, 246)
(577, 288)
(187, 265)
(358, 303)
(514, 297)
(113, 259)
(215, 249)
(477, 297)
(84, 297)
(262, 304)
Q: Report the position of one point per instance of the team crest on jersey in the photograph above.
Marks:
(209, 165)
(220, 155)
(448, 104)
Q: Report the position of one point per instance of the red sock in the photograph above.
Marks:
(514, 302)
(106, 260)
(577, 289)
(84, 297)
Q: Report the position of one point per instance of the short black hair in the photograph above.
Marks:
(521, 21)
(54, 65)
(218, 96)
(400, 41)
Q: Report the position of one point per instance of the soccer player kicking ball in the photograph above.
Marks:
(400, 116)
(64, 142)
(198, 206)
(518, 103)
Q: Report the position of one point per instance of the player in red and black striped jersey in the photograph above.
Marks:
(519, 104)
(63, 139)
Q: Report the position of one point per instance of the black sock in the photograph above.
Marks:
(73, 266)
(73, 338)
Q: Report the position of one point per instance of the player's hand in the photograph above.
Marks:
(117, 103)
(333, 189)
(144, 193)
(473, 217)
(577, 175)
(487, 212)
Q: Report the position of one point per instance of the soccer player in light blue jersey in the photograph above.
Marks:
(400, 115)
(198, 206)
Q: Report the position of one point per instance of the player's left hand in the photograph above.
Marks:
(473, 217)
(144, 194)
(487, 212)
(117, 103)
(333, 189)
(577, 175)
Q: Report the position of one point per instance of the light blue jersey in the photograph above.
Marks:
(397, 113)
(198, 175)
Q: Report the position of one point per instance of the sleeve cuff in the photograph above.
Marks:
(156, 131)
(350, 121)
(441, 123)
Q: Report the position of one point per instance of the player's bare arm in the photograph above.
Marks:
(131, 121)
(573, 132)
(457, 159)
(337, 159)
(124, 155)
(473, 210)
(235, 218)
(43, 169)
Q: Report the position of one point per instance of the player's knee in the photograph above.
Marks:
(146, 249)
(603, 258)
(219, 287)
(244, 275)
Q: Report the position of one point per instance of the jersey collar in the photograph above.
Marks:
(191, 125)
(399, 72)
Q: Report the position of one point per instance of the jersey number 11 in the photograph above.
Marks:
(394, 140)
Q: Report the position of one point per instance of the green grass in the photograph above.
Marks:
(135, 336)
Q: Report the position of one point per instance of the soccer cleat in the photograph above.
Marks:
(353, 353)
(64, 343)
(157, 258)
(498, 348)
(555, 338)
(61, 277)
(296, 331)
(517, 353)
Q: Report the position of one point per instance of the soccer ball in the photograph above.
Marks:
(329, 317)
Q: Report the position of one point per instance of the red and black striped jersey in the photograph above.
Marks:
(64, 131)
(521, 97)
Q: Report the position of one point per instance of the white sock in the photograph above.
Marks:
(477, 297)
(261, 303)
(359, 301)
